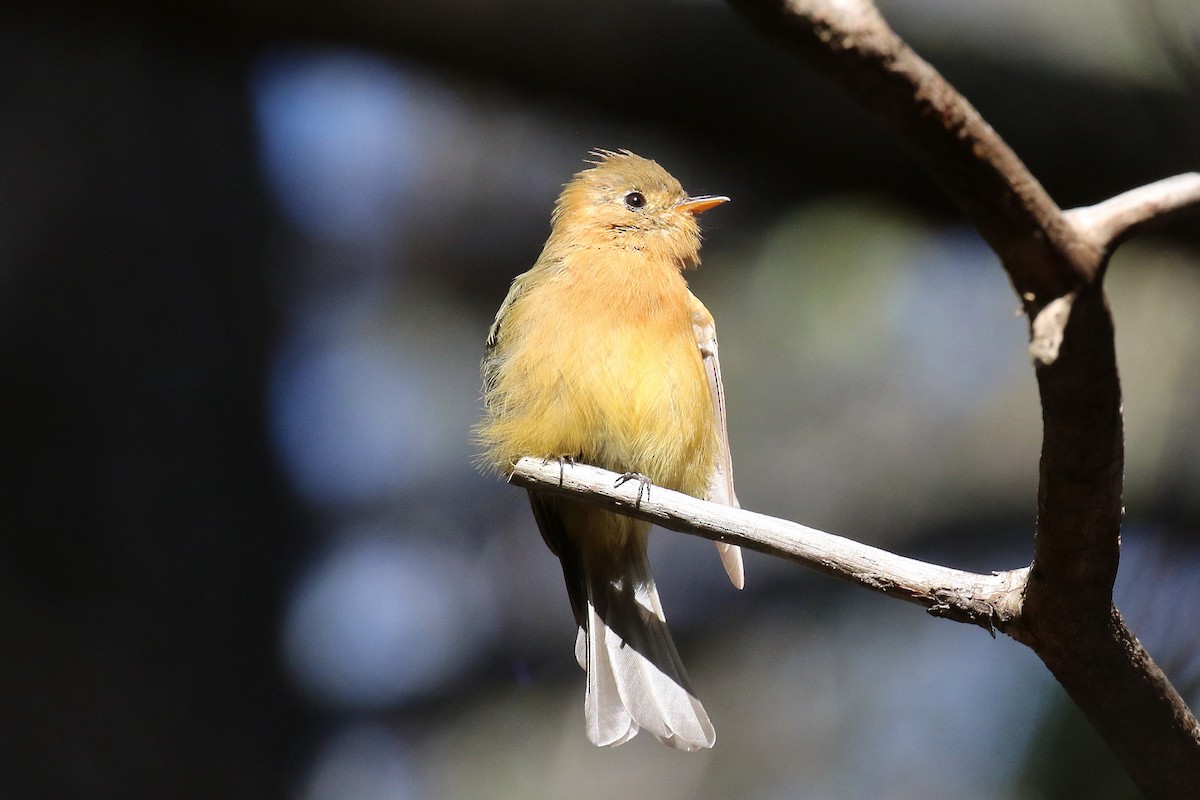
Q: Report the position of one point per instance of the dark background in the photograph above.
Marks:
(248, 254)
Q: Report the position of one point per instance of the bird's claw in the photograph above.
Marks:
(562, 461)
(643, 485)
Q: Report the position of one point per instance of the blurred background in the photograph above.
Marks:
(248, 255)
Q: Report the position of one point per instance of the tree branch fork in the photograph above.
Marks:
(1061, 605)
(993, 602)
(1056, 261)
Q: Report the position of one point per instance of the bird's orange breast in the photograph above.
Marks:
(599, 361)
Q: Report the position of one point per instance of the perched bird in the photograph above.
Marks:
(601, 354)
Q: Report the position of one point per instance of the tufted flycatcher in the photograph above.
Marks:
(601, 354)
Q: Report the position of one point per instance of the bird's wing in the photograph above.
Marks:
(490, 364)
(720, 482)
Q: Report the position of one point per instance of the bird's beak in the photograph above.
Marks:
(698, 205)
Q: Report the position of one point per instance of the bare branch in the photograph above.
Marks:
(1113, 221)
(1056, 264)
(850, 43)
(989, 601)
(1061, 607)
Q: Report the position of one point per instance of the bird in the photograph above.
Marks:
(600, 354)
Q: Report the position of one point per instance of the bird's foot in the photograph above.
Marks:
(562, 462)
(643, 485)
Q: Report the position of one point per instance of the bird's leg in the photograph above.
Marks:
(562, 460)
(643, 485)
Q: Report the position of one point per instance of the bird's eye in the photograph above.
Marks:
(635, 199)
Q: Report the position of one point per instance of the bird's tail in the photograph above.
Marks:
(634, 676)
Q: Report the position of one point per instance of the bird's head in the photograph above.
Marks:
(627, 201)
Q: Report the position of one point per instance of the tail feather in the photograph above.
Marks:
(731, 559)
(635, 679)
(606, 718)
(635, 676)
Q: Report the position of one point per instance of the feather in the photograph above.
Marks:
(720, 481)
(635, 678)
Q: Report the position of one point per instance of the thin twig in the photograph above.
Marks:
(989, 601)
(1113, 221)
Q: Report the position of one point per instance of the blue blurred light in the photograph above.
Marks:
(335, 130)
(947, 313)
(1159, 584)
(351, 418)
(379, 620)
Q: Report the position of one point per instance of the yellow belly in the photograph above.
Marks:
(618, 384)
